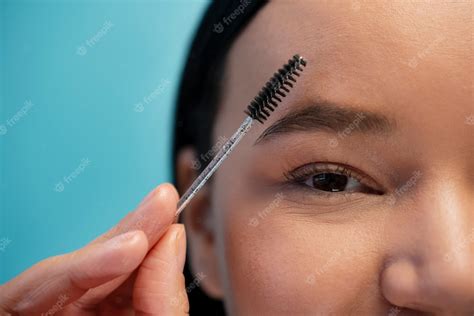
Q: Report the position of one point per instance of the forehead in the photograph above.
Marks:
(396, 57)
(340, 35)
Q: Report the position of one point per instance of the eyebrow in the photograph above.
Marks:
(330, 117)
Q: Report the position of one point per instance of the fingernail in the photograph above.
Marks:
(180, 244)
(119, 240)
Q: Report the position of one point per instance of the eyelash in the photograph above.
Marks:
(300, 175)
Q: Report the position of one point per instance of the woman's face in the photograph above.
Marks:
(359, 198)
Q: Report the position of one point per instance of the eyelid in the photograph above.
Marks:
(301, 173)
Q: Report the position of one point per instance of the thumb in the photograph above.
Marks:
(160, 287)
(65, 278)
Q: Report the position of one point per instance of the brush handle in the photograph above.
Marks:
(214, 164)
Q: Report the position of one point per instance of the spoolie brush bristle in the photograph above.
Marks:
(270, 95)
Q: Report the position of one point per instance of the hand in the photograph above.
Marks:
(133, 269)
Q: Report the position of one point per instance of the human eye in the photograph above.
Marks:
(332, 179)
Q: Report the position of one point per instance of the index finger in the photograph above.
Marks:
(153, 216)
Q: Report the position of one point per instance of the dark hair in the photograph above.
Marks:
(198, 98)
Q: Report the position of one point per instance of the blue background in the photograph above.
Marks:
(84, 107)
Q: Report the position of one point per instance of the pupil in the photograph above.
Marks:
(331, 182)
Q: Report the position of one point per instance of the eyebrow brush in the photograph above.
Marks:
(259, 109)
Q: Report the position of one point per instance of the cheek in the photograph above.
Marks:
(276, 260)
(281, 263)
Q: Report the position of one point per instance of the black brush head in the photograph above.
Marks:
(269, 96)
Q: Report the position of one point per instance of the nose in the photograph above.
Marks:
(430, 268)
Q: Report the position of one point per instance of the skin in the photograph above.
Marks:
(133, 269)
(274, 249)
(267, 247)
